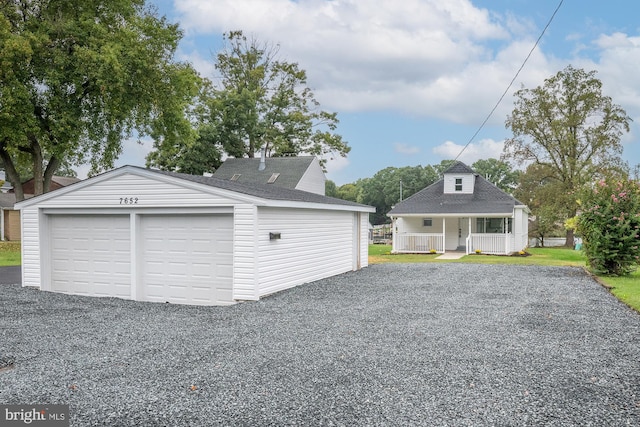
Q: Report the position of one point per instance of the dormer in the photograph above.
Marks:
(459, 179)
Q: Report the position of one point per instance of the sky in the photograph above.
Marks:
(413, 80)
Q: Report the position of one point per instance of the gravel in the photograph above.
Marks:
(393, 344)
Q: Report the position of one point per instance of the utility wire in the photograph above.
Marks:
(512, 80)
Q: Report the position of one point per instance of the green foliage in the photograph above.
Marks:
(264, 103)
(609, 223)
(383, 190)
(570, 132)
(76, 78)
(497, 172)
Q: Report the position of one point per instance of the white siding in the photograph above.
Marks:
(245, 249)
(31, 248)
(364, 239)
(468, 181)
(313, 245)
(313, 179)
(144, 191)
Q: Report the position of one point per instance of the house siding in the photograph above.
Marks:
(148, 192)
(364, 239)
(245, 260)
(31, 248)
(312, 246)
(468, 182)
(313, 179)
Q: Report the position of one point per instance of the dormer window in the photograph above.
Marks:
(458, 186)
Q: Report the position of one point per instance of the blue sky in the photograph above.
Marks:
(412, 81)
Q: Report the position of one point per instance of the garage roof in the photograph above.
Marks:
(266, 192)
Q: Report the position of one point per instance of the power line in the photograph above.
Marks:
(512, 80)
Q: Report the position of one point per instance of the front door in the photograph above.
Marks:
(463, 232)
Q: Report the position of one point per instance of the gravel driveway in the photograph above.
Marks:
(416, 344)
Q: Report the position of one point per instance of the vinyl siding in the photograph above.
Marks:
(245, 237)
(313, 179)
(312, 246)
(468, 182)
(364, 239)
(148, 192)
(31, 274)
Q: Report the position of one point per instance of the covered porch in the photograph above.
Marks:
(487, 234)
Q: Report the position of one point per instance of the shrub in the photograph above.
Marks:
(609, 223)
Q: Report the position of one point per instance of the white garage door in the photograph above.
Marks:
(187, 259)
(90, 255)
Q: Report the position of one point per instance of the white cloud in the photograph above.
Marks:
(484, 149)
(403, 148)
(336, 164)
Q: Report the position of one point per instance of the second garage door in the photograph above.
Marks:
(187, 259)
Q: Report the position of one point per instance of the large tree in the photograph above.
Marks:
(500, 173)
(568, 127)
(262, 102)
(79, 77)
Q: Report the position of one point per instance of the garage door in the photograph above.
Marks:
(90, 255)
(187, 259)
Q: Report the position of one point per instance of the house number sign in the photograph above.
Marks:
(128, 200)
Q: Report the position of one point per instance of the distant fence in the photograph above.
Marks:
(548, 242)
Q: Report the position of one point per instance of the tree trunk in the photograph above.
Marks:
(12, 174)
(52, 167)
(570, 239)
(38, 172)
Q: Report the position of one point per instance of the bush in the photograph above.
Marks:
(609, 223)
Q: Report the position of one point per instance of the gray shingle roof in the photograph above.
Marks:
(486, 199)
(459, 167)
(291, 170)
(264, 191)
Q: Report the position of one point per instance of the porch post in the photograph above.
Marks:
(468, 239)
(393, 234)
(444, 235)
(506, 236)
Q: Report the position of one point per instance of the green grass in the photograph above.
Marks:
(626, 289)
(536, 256)
(10, 254)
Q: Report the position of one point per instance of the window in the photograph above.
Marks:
(235, 177)
(458, 184)
(494, 225)
(427, 222)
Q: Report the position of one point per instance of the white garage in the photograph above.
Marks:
(163, 237)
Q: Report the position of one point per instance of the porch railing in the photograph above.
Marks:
(419, 242)
(491, 243)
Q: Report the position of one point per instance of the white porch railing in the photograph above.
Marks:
(419, 242)
(491, 243)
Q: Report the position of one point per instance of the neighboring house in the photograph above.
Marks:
(10, 217)
(157, 236)
(297, 173)
(460, 212)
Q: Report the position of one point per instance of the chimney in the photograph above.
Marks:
(263, 155)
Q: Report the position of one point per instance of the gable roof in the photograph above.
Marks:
(486, 199)
(459, 167)
(264, 191)
(291, 170)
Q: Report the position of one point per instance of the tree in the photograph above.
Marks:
(568, 127)
(500, 173)
(263, 102)
(609, 223)
(384, 190)
(79, 77)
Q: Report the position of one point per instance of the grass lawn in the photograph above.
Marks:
(537, 256)
(10, 254)
(626, 289)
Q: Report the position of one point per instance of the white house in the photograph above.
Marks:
(460, 212)
(148, 235)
